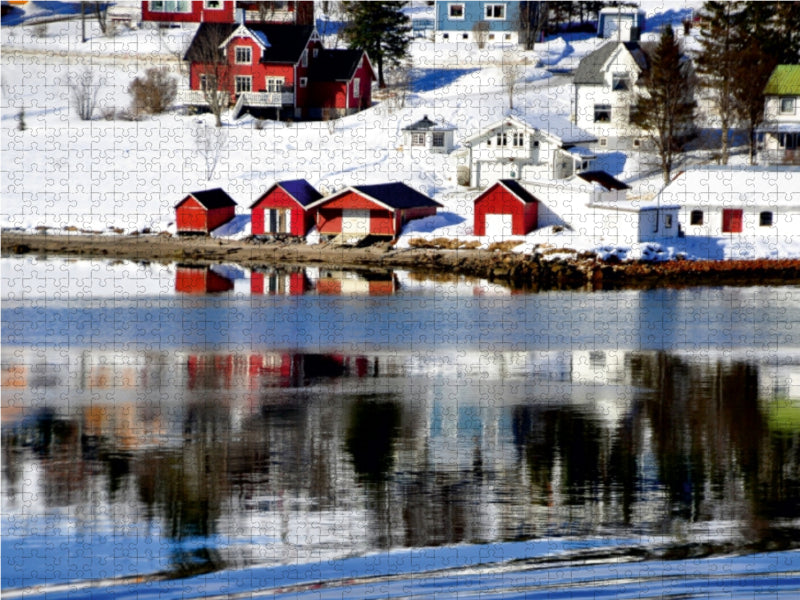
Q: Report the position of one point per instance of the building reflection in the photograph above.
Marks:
(390, 449)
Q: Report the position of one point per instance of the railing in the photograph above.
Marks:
(196, 97)
(780, 157)
(269, 16)
(266, 99)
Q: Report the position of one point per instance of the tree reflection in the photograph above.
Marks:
(371, 433)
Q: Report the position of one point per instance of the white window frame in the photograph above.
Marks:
(245, 50)
(489, 11)
(304, 58)
(275, 85)
(792, 103)
(356, 88)
(437, 139)
(502, 139)
(303, 82)
(451, 6)
(602, 108)
(170, 6)
(518, 139)
(620, 82)
(242, 79)
(418, 139)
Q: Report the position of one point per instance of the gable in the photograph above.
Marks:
(784, 81)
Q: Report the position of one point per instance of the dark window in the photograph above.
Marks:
(696, 217)
(456, 11)
(517, 138)
(789, 141)
(495, 11)
(502, 140)
(438, 139)
(620, 82)
(602, 113)
(243, 55)
(787, 105)
(765, 219)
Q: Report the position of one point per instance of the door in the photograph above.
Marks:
(499, 227)
(732, 220)
(355, 222)
(277, 220)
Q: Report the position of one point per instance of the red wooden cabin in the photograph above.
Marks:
(282, 209)
(340, 83)
(509, 208)
(300, 12)
(204, 211)
(382, 210)
(200, 280)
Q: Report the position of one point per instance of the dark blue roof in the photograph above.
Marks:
(519, 191)
(216, 198)
(396, 195)
(299, 189)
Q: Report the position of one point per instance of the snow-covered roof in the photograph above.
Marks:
(592, 68)
(558, 128)
(735, 187)
(425, 124)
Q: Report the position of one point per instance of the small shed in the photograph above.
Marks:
(381, 210)
(204, 211)
(505, 209)
(282, 209)
(621, 23)
(429, 135)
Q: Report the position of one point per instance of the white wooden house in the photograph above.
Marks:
(751, 201)
(514, 148)
(429, 135)
(781, 126)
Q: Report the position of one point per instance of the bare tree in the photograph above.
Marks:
(210, 143)
(153, 93)
(101, 13)
(512, 72)
(84, 89)
(215, 77)
(480, 31)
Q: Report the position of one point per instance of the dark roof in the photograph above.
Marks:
(425, 124)
(334, 65)
(589, 69)
(286, 42)
(396, 195)
(604, 179)
(519, 191)
(216, 198)
(299, 189)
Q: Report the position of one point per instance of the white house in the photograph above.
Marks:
(429, 135)
(513, 148)
(595, 205)
(605, 86)
(781, 126)
(621, 23)
(719, 200)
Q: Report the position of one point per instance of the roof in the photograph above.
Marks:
(216, 198)
(735, 187)
(604, 179)
(520, 192)
(425, 124)
(335, 65)
(560, 129)
(391, 195)
(285, 43)
(299, 189)
(590, 69)
(784, 81)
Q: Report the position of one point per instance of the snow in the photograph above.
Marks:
(118, 174)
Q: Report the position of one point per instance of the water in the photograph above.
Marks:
(294, 435)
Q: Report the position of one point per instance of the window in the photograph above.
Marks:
(732, 220)
(417, 139)
(502, 139)
(696, 217)
(496, 11)
(213, 4)
(787, 105)
(667, 221)
(316, 53)
(445, 36)
(789, 141)
(765, 219)
(207, 82)
(356, 88)
(173, 6)
(464, 36)
(491, 36)
(303, 82)
(455, 11)
(517, 139)
(620, 82)
(438, 139)
(275, 84)
(244, 83)
(507, 36)
(304, 58)
(603, 142)
(637, 142)
(243, 55)
(602, 113)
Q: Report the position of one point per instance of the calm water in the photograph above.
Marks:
(179, 432)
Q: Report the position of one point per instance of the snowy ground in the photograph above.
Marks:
(114, 174)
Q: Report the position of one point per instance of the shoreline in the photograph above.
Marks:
(523, 272)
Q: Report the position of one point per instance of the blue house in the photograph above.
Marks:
(482, 22)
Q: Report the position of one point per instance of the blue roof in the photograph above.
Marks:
(300, 190)
(396, 195)
(262, 37)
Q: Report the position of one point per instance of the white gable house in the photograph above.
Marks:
(517, 149)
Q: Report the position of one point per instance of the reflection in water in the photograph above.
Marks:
(232, 459)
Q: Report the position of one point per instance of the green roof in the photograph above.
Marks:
(784, 81)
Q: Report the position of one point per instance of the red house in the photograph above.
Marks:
(202, 212)
(223, 11)
(200, 280)
(282, 209)
(382, 210)
(505, 209)
(276, 70)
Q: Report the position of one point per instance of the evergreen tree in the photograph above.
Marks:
(718, 62)
(381, 29)
(666, 108)
(754, 70)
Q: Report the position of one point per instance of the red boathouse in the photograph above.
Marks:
(505, 209)
(202, 212)
(282, 209)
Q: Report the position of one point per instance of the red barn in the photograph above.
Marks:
(202, 212)
(200, 280)
(282, 209)
(382, 210)
(505, 209)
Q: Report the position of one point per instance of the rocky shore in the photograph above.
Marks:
(519, 271)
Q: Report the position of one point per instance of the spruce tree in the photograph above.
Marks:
(380, 28)
(666, 108)
(754, 70)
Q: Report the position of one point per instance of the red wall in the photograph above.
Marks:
(498, 200)
(191, 216)
(382, 221)
(301, 220)
(197, 15)
(364, 74)
(200, 281)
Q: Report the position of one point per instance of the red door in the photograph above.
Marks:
(732, 220)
